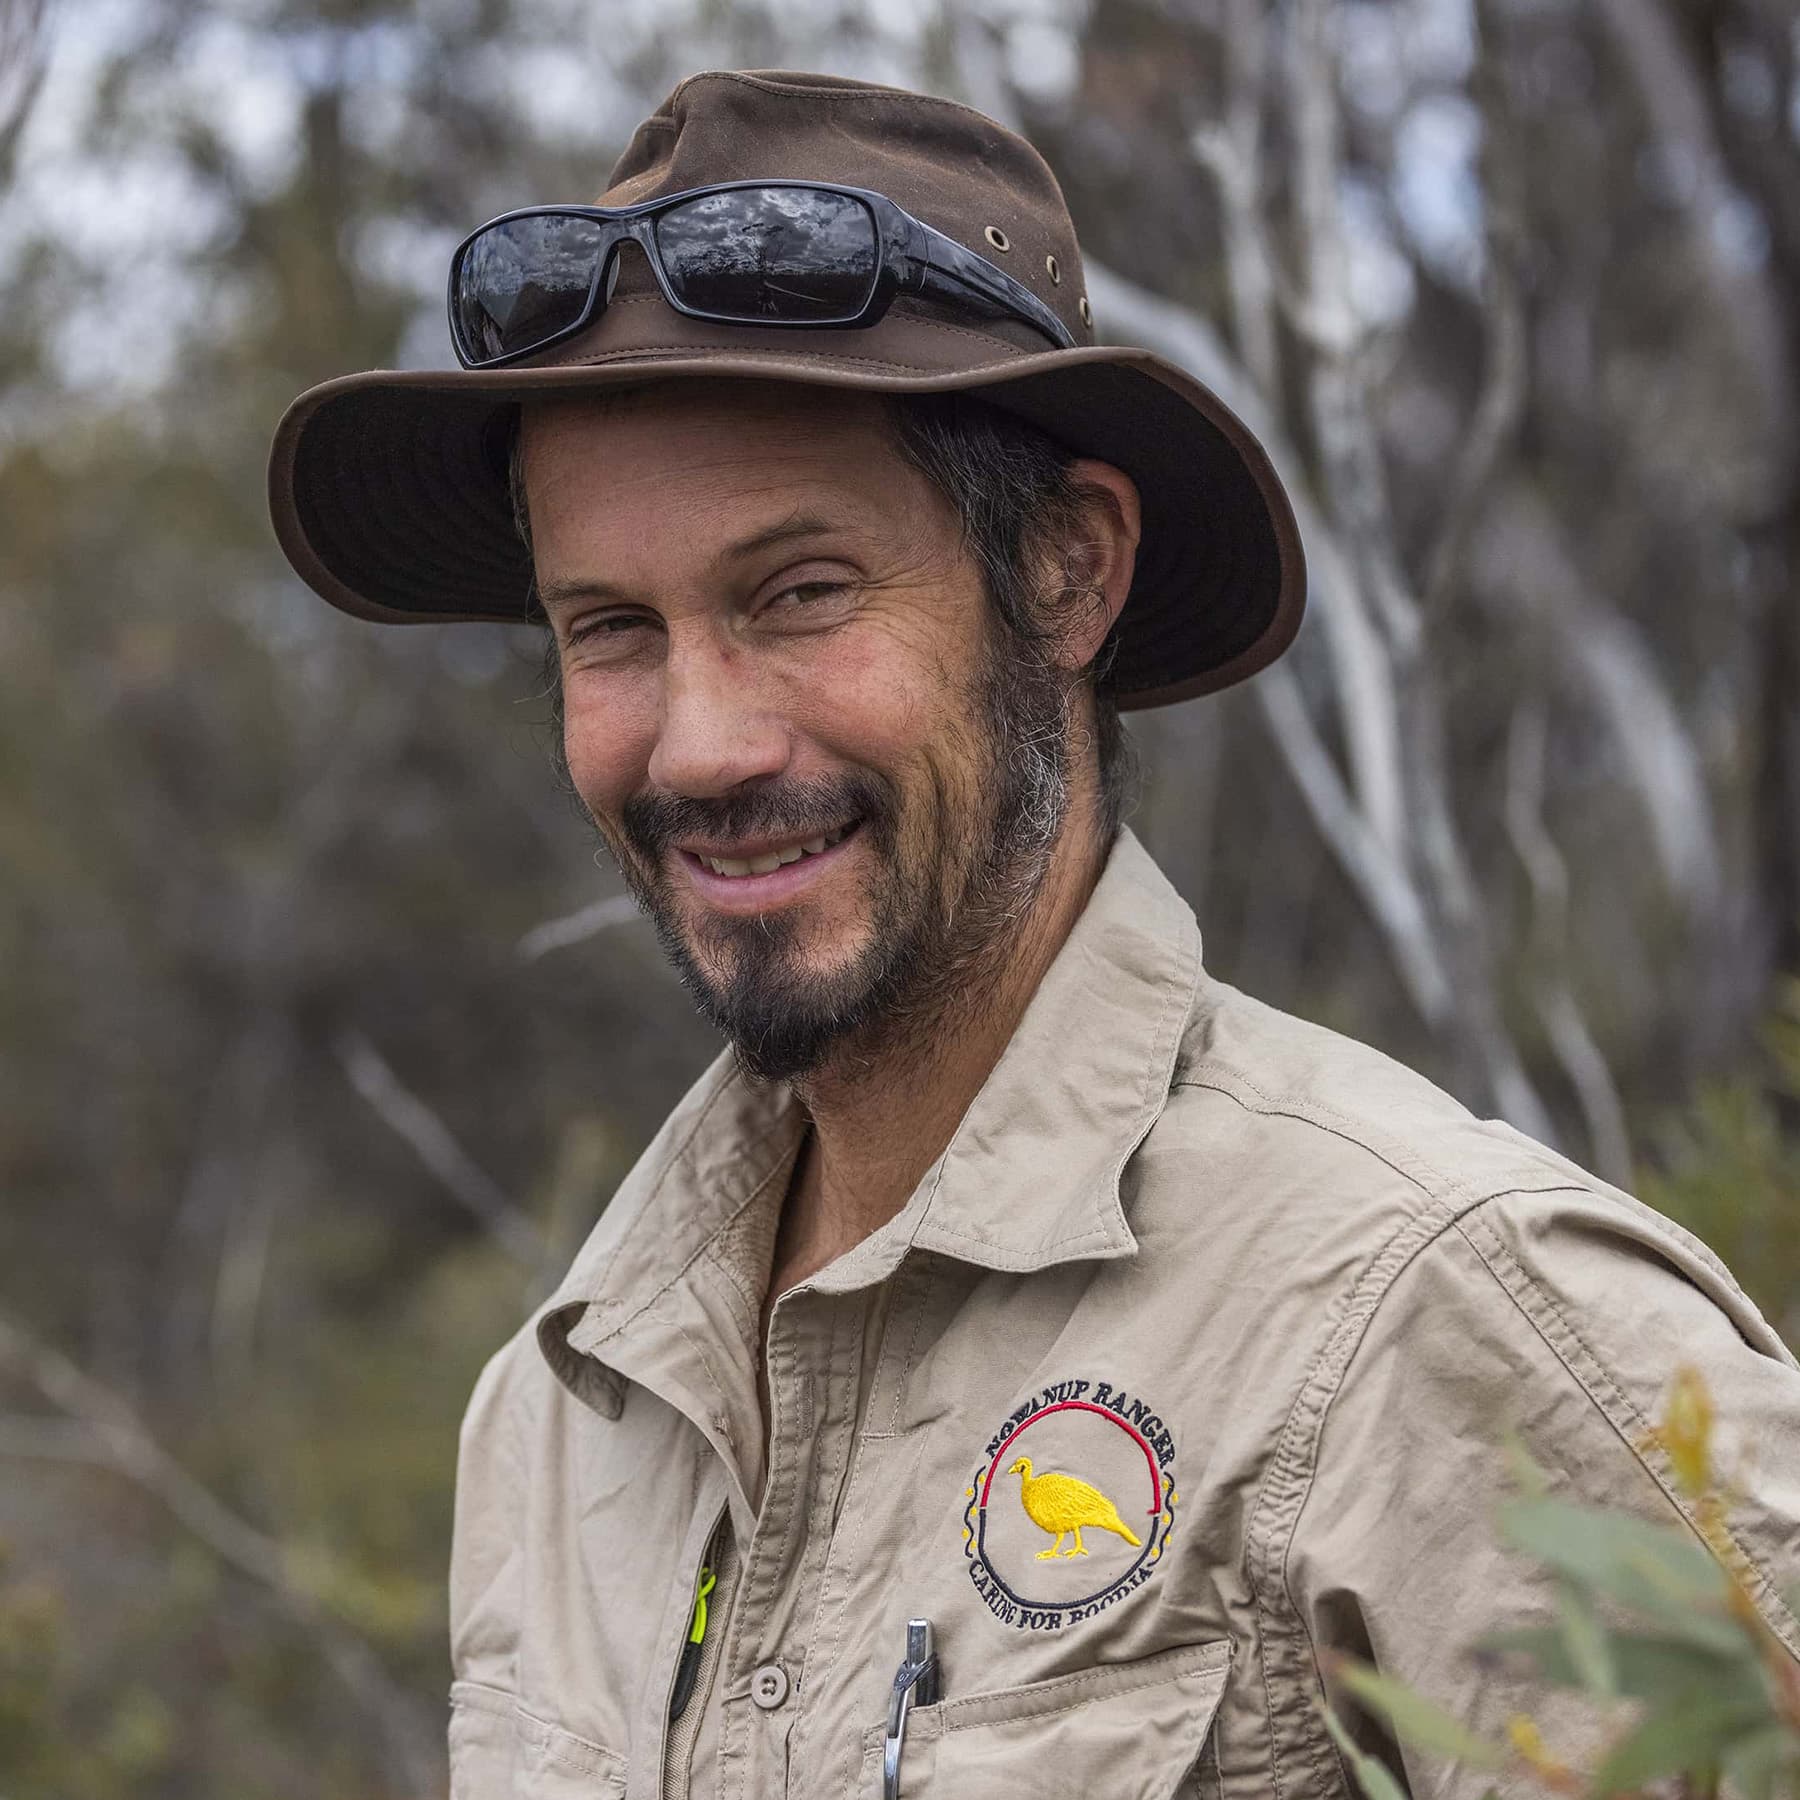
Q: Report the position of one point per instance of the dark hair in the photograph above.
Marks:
(1010, 486)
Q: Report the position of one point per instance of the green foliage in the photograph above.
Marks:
(1372, 1776)
(29, 1636)
(1415, 1718)
(1730, 1168)
(1648, 1569)
(57, 1738)
(1648, 1614)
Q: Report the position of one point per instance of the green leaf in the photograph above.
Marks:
(1372, 1776)
(1541, 1646)
(1692, 1737)
(1585, 1640)
(1659, 1670)
(1646, 1666)
(1755, 1764)
(1664, 1574)
(1416, 1720)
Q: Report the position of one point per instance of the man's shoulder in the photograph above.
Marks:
(1318, 1160)
(514, 1387)
(1288, 1100)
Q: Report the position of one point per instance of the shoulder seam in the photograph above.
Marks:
(1564, 1340)
(1236, 1085)
(1285, 1648)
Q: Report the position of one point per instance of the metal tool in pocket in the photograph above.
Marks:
(915, 1684)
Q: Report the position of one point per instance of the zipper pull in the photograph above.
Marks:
(697, 1631)
(689, 1667)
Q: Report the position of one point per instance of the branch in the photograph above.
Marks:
(436, 1147)
(1576, 1048)
(1337, 386)
(1234, 157)
(1673, 95)
(23, 64)
(1383, 881)
(577, 927)
(1491, 430)
(101, 1429)
(1526, 569)
(1362, 669)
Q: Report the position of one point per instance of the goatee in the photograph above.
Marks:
(944, 896)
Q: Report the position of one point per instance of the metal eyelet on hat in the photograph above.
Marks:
(1087, 312)
(1054, 270)
(997, 238)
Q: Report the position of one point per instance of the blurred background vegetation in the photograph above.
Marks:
(323, 1039)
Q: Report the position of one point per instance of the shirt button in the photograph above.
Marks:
(769, 1686)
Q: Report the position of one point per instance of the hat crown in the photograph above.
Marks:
(389, 488)
(945, 163)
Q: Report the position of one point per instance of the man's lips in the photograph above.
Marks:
(774, 870)
(747, 857)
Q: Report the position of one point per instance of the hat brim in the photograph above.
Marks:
(388, 490)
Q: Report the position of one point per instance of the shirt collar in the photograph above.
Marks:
(1030, 1178)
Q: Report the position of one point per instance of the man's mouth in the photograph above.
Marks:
(766, 862)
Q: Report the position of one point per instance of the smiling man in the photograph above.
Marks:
(837, 778)
(1021, 1359)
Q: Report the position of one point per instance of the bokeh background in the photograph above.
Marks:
(323, 1038)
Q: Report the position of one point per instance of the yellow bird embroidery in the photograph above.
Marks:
(1061, 1505)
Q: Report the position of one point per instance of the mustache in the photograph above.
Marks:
(651, 822)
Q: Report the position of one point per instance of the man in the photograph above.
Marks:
(1009, 1274)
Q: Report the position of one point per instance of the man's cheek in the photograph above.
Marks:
(607, 751)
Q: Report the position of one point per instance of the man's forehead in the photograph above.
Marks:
(694, 450)
(690, 415)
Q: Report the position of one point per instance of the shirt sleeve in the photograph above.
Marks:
(484, 1554)
(1561, 1318)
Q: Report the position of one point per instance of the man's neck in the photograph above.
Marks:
(878, 1126)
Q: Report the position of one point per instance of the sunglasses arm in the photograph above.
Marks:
(940, 264)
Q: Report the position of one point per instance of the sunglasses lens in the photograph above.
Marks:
(524, 280)
(798, 255)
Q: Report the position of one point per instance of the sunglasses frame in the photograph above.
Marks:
(911, 258)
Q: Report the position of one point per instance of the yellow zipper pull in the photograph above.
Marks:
(697, 1631)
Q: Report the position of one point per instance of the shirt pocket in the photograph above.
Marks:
(499, 1751)
(1130, 1731)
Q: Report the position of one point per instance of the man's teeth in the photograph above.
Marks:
(771, 860)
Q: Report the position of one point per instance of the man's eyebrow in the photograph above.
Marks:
(799, 526)
(567, 590)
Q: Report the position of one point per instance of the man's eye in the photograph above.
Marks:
(811, 593)
(607, 628)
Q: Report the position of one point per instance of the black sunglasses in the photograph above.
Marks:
(739, 253)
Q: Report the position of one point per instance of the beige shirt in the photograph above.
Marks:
(1193, 1354)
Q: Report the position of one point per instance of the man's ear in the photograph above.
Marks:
(1100, 558)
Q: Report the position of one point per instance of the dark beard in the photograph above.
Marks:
(942, 910)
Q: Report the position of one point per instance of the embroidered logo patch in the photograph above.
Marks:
(1072, 1506)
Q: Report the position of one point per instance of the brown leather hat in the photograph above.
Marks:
(389, 489)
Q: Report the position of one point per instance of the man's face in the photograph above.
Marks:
(787, 710)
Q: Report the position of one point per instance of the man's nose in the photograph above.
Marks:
(715, 730)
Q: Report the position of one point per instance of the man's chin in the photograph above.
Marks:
(783, 1035)
(788, 1008)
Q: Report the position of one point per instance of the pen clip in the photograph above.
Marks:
(915, 1684)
